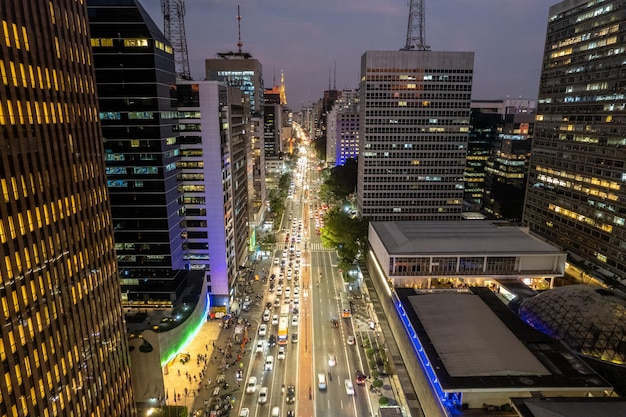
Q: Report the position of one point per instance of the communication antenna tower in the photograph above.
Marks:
(415, 33)
(174, 31)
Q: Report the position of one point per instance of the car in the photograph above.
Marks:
(272, 340)
(263, 395)
(259, 346)
(291, 413)
(266, 315)
(360, 378)
(294, 320)
(350, 339)
(296, 291)
(251, 386)
(291, 394)
(276, 302)
(349, 387)
(332, 359)
(244, 412)
(275, 320)
(268, 304)
(281, 353)
(334, 323)
(296, 301)
(287, 292)
(269, 363)
(294, 337)
(275, 412)
(276, 261)
(279, 290)
(263, 330)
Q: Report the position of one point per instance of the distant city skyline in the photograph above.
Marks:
(306, 40)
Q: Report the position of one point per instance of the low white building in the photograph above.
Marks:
(464, 253)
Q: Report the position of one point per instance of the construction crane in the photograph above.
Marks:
(415, 33)
(174, 31)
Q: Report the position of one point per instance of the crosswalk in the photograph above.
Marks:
(315, 246)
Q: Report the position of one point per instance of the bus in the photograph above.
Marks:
(346, 310)
(283, 325)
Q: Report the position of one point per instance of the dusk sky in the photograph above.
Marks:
(305, 39)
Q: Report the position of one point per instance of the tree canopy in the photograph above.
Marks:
(345, 234)
(341, 181)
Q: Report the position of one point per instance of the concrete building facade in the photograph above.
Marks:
(414, 123)
(63, 346)
(574, 196)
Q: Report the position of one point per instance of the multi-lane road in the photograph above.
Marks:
(323, 350)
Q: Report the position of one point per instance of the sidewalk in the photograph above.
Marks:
(208, 380)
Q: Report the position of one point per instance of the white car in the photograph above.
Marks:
(275, 320)
(349, 387)
(279, 290)
(244, 412)
(350, 339)
(294, 320)
(269, 363)
(263, 330)
(263, 395)
(296, 291)
(266, 315)
(296, 301)
(281, 353)
(332, 360)
(251, 387)
(287, 292)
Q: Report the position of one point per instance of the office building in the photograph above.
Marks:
(213, 173)
(500, 138)
(574, 196)
(63, 347)
(342, 137)
(414, 111)
(239, 69)
(134, 74)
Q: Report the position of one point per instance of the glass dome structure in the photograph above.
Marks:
(588, 320)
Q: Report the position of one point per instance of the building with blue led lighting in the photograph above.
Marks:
(473, 352)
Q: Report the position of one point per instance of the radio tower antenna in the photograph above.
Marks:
(239, 42)
(415, 33)
(174, 31)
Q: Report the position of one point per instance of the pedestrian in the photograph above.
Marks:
(206, 347)
(209, 381)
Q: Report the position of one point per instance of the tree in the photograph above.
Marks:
(345, 234)
(341, 181)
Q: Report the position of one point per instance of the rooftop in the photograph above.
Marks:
(473, 340)
(463, 237)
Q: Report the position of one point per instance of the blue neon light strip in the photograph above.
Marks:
(421, 354)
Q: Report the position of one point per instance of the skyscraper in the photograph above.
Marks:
(414, 111)
(342, 129)
(63, 346)
(575, 193)
(135, 75)
(213, 179)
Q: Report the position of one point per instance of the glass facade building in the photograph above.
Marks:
(414, 123)
(63, 347)
(575, 194)
(135, 75)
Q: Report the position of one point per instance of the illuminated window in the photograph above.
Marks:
(136, 42)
